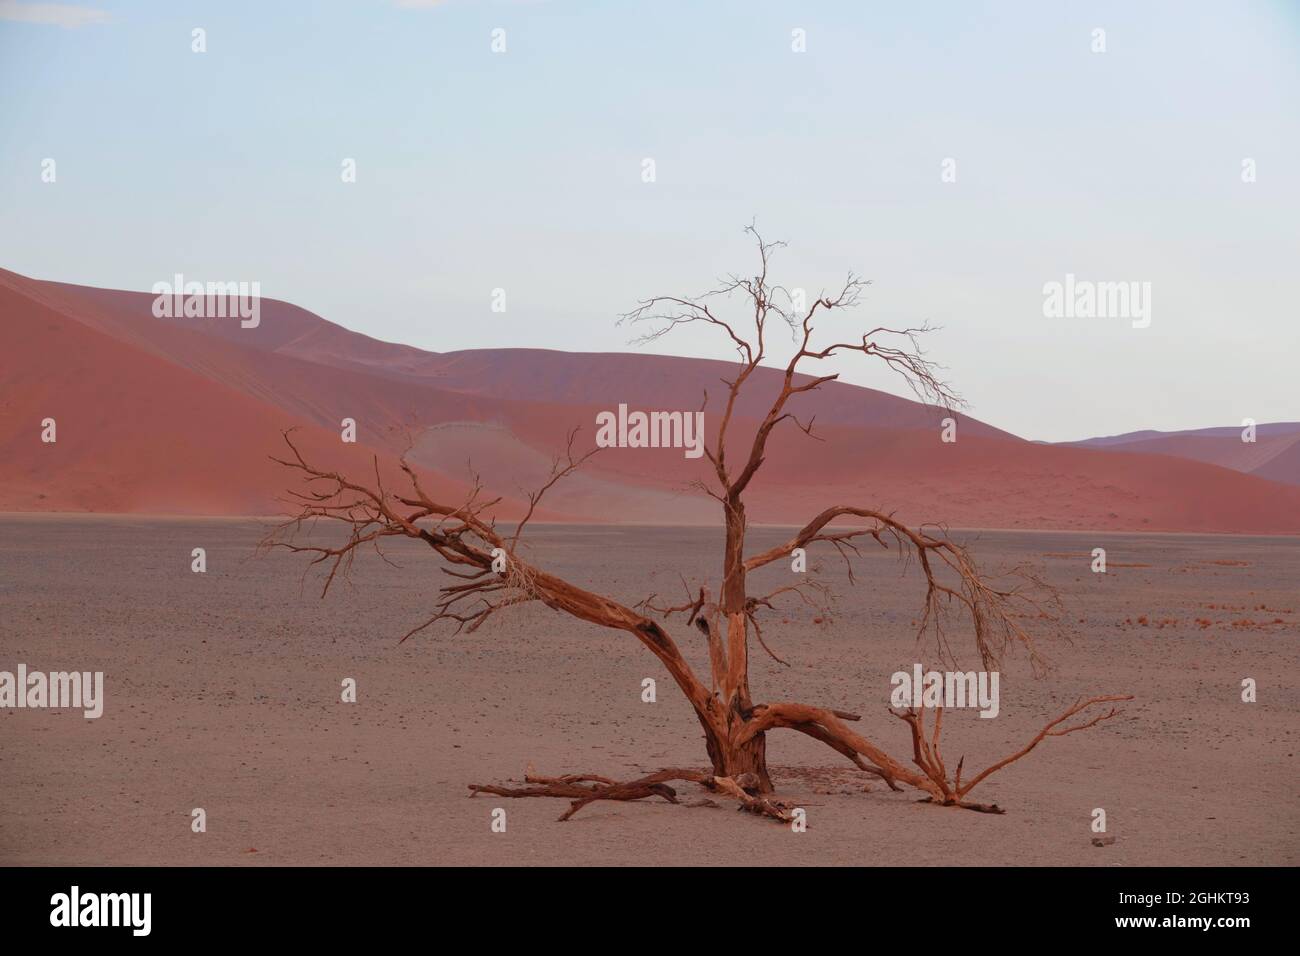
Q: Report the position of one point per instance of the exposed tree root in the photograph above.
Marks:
(584, 789)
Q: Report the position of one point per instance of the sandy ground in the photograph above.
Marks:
(223, 692)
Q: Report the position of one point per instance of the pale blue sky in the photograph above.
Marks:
(523, 171)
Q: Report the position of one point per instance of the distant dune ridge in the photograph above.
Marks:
(1275, 453)
(178, 416)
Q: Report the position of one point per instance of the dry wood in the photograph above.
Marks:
(463, 538)
(585, 789)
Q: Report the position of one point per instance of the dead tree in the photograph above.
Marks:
(491, 573)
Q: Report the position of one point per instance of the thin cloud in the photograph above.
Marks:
(66, 15)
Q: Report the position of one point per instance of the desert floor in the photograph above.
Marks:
(223, 692)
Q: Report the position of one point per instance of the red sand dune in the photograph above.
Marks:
(140, 434)
(179, 415)
(1274, 454)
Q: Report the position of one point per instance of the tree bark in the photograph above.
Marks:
(748, 758)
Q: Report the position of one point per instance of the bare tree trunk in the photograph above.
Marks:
(741, 753)
(747, 758)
